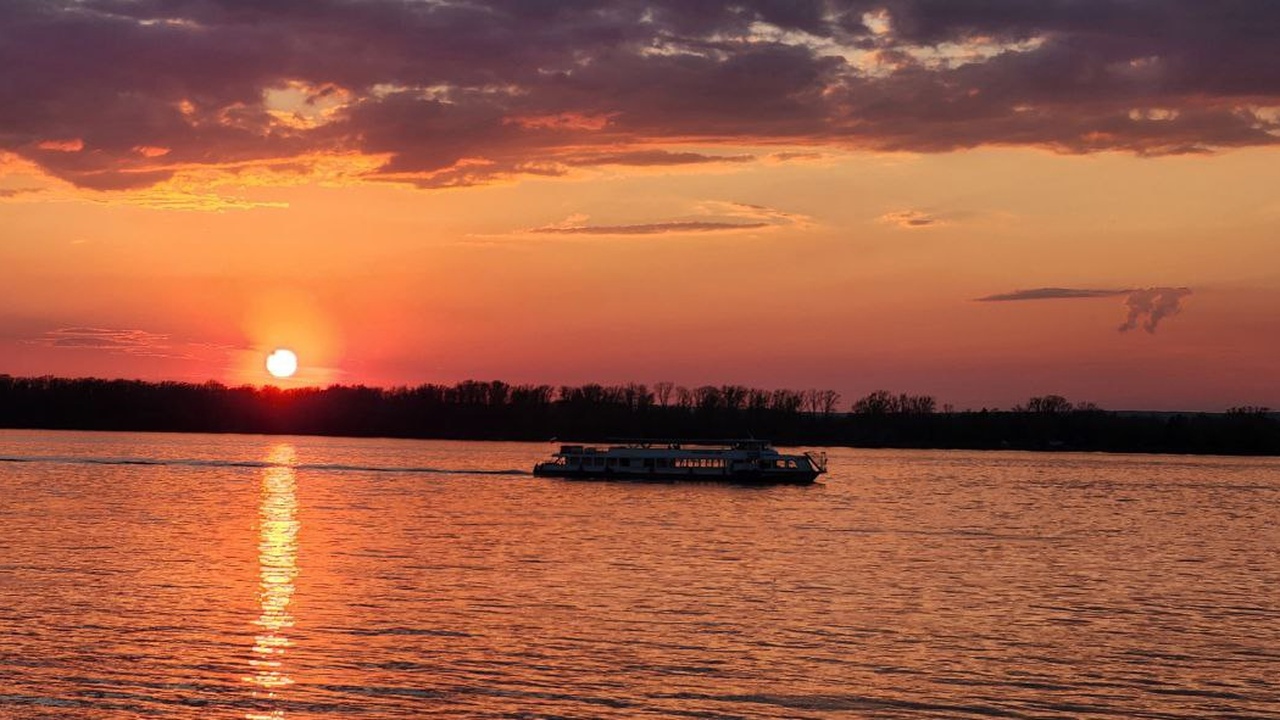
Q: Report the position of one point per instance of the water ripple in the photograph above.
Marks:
(274, 578)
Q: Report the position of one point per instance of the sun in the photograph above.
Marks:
(282, 363)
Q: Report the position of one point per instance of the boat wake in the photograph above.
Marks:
(192, 462)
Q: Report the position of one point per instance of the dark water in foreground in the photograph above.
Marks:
(256, 577)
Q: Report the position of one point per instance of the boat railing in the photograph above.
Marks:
(819, 460)
(677, 443)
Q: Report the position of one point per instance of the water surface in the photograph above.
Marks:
(207, 576)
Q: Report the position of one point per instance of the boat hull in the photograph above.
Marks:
(775, 477)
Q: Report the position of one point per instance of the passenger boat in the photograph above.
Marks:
(751, 462)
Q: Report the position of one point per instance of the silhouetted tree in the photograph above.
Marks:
(662, 391)
(883, 402)
(706, 397)
(880, 402)
(733, 397)
(827, 401)
(786, 401)
(684, 397)
(496, 410)
(1045, 404)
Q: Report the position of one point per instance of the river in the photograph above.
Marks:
(255, 577)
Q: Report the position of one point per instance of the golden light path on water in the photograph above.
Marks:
(277, 567)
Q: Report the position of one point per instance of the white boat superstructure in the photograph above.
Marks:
(737, 461)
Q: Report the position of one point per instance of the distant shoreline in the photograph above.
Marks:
(558, 441)
(593, 413)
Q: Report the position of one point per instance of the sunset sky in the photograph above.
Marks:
(979, 200)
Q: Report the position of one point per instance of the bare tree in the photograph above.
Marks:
(828, 399)
(880, 402)
(638, 396)
(662, 391)
(883, 402)
(733, 397)
(707, 397)
(499, 392)
(684, 397)
(916, 404)
(1048, 404)
(786, 401)
(810, 400)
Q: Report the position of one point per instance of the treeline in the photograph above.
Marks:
(499, 411)
(466, 410)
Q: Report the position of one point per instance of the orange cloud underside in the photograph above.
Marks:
(72, 145)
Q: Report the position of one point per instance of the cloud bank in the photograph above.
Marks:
(1146, 306)
(120, 94)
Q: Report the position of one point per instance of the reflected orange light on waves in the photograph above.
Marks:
(277, 568)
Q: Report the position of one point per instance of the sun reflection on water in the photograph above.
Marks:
(277, 568)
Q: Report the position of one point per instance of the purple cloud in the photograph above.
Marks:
(1051, 293)
(129, 342)
(657, 158)
(1146, 306)
(120, 94)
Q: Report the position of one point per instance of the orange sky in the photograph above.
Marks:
(809, 242)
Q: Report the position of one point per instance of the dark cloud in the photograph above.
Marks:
(787, 156)
(1146, 306)
(1051, 293)
(118, 94)
(641, 158)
